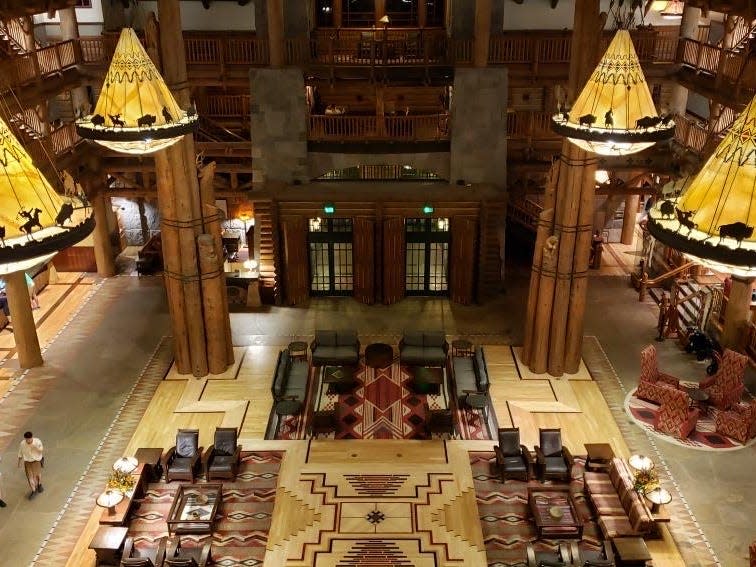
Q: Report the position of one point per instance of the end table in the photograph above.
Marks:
(107, 544)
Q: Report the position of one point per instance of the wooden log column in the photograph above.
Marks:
(103, 250)
(196, 289)
(22, 320)
(628, 218)
(556, 302)
(276, 33)
(737, 313)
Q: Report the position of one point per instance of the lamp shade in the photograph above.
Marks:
(640, 462)
(713, 220)
(35, 221)
(614, 113)
(125, 464)
(136, 112)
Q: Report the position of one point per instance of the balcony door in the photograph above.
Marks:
(331, 265)
(427, 256)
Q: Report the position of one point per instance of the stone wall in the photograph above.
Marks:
(279, 137)
(319, 163)
(139, 219)
(479, 126)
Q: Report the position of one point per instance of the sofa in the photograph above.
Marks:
(470, 374)
(621, 510)
(290, 378)
(335, 348)
(423, 348)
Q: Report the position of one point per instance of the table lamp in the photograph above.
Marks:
(658, 496)
(252, 267)
(125, 465)
(109, 499)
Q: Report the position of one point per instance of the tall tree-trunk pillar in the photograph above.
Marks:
(22, 320)
(738, 313)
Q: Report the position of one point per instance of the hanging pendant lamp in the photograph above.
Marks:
(35, 221)
(614, 114)
(713, 220)
(136, 112)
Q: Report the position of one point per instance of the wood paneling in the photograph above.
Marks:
(296, 286)
(462, 259)
(393, 260)
(265, 221)
(490, 256)
(364, 260)
(75, 259)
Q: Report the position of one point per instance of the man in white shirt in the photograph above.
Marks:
(30, 451)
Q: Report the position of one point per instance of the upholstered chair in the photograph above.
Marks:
(554, 460)
(675, 416)
(513, 459)
(183, 461)
(142, 557)
(726, 386)
(223, 457)
(651, 379)
(739, 422)
(178, 556)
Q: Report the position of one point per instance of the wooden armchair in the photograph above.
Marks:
(554, 460)
(223, 457)
(178, 556)
(183, 460)
(513, 459)
(559, 558)
(675, 416)
(651, 379)
(604, 557)
(149, 557)
(726, 386)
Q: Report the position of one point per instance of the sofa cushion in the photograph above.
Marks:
(481, 370)
(614, 526)
(222, 462)
(434, 356)
(639, 519)
(607, 504)
(297, 376)
(556, 464)
(346, 338)
(413, 338)
(515, 463)
(181, 465)
(434, 339)
(334, 354)
(326, 338)
(598, 483)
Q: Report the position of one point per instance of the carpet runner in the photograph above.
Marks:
(382, 405)
(505, 514)
(704, 437)
(241, 531)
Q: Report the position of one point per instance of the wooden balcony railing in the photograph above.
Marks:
(64, 139)
(38, 65)
(225, 106)
(525, 124)
(427, 128)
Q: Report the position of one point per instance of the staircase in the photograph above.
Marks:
(744, 32)
(12, 38)
(211, 131)
(693, 296)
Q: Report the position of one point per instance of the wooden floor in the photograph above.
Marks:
(317, 514)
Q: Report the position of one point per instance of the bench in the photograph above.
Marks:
(621, 511)
(470, 375)
(290, 378)
(423, 348)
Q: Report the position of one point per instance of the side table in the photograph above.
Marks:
(150, 457)
(631, 551)
(107, 544)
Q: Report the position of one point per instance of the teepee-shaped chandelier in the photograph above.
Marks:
(713, 220)
(614, 113)
(35, 221)
(136, 112)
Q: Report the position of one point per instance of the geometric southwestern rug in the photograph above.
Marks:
(382, 405)
(505, 514)
(240, 533)
(703, 438)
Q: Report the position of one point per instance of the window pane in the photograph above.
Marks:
(325, 13)
(343, 277)
(359, 13)
(435, 10)
(438, 259)
(316, 225)
(415, 269)
(320, 279)
(440, 225)
(402, 12)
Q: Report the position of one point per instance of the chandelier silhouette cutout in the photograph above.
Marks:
(713, 220)
(136, 112)
(614, 113)
(35, 221)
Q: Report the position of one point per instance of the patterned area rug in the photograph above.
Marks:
(703, 438)
(382, 405)
(241, 530)
(505, 515)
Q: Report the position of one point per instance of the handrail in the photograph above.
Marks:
(525, 212)
(422, 128)
(37, 65)
(645, 282)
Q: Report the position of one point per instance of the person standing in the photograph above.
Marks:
(2, 502)
(31, 452)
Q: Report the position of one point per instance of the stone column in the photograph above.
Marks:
(103, 249)
(482, 32)
(182, 223)
(688, 30)
(628, 219)
(22, 320)
(276, 33)
(737, 314)
(556, 301)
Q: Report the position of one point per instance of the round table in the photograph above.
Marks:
(379, 355)
(698, 398)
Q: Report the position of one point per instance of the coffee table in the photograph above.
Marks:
(194, 508)
(599, 457)
(340, 378)
(699, 399)
(554, 511)
(107, 544)
(379, 355)
(427, 380)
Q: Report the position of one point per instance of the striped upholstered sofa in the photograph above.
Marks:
(621, 511)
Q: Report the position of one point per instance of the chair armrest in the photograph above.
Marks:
(527, 454)
(128, 546)
(313, 344)
(237, 453)
(197, 457)
(540, 457)
(531, 555)
(208, 457)
(204, 555)
(167, 459)
(608, 550)
(568, 455)
(160, 554)
(707, 382)
(482, 393)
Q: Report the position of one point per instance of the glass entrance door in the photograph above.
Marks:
(427, 253)
(331, 266)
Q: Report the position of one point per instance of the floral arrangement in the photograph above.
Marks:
(645, 480)
(122, 481)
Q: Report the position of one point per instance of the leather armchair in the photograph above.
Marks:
(726, 386)
(183, 461)
(149, 557)
(513, 459)
(178, 556)
(554, 460)
(675, 416)
(738, 422)
(652, 381)
(222, 458)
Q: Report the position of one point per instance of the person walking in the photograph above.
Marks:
(31, 452)
(2, 502)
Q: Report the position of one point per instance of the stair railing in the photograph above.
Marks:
(644, 282)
